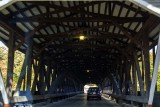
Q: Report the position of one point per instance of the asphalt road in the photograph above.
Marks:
(81, 101)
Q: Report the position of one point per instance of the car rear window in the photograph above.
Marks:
(93, 89)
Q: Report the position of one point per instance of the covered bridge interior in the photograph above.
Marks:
(72, 43)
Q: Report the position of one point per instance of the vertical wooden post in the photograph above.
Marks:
(29, 63)
(41, 74)
(117, 89)
(54, 73)
(131, 86)
(27, 66)
(139, 74)
(48, 73)
(51, 75)
(64, 85)
(67, 84)
(120, 76)
(24, 82)
(154, 56)
(127, 77)
(10, 64)
(35, 67)
(70, 88)
(74, 86)
(143, 67)
(134, 76)
(37, 73)
(57, 81)
(147, 64)
(22, 76)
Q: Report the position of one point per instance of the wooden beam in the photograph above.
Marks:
(40, 26)
(61, 33)
(127, 34)
(18, 46)
(41, 70)
(62, 7)
(87, 45)
(134, 79)
(144, 14)
(140, 99)
(139, 74)
(59, 9)
(101, 36)
(57, 81)
(29, 62)
(149, 25)
(22, 76)
(143, 65)
(35, 67)
(3, 32)
(17, 31)
(27, 66)
(72, 9)
(147, 65)
(54, 73)
(48, 79)
(127, 76)
(101, 53)
(10, 66)
(76, 19)
(121, 75)
(116, 84)
(22, 10)
(72, 60)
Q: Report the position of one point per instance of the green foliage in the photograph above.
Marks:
(151, 69)
(18, 61)
(3, 62)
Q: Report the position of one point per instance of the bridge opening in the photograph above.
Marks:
(67, 44)
(87, 86)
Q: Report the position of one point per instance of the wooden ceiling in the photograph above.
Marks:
(110, 28)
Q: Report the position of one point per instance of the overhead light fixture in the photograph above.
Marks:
(81, 37)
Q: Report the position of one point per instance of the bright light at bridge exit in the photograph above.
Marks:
(87, 86)
(88, 70)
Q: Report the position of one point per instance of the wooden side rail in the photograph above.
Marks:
(39, 97)
(140, 99)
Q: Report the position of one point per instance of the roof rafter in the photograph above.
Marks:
(144, 14)
(77, 19)
(101, 36)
